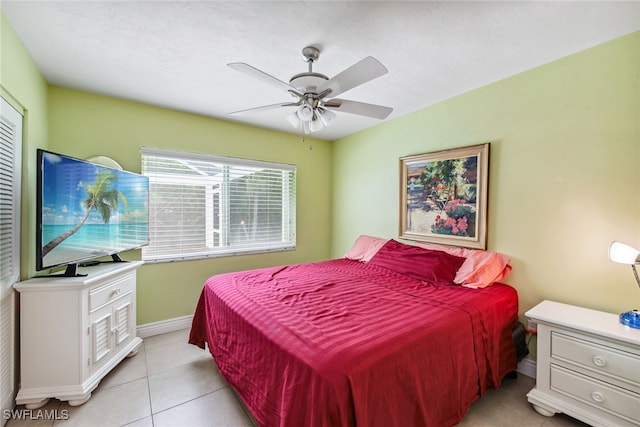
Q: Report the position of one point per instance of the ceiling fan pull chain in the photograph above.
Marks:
(302, 140)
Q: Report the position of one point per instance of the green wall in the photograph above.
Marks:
(564, 172)
(85, 125)
(24, 87)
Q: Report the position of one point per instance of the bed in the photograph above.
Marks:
(390, 340)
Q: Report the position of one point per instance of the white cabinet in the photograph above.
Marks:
(588, 365)
(74, 330)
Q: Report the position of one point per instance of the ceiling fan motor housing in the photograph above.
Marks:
(308, 82)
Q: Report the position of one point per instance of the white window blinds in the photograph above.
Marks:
(204, 206)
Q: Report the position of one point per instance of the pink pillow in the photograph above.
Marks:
(480, 269)
(365, 247)
(419, 263)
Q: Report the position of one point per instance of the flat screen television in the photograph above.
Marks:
(86, 210)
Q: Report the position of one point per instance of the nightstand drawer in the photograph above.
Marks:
(100, 296)
(608, 361)
(595, 393)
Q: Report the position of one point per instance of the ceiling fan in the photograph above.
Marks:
(315, 92)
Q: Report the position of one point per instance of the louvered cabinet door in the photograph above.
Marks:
(124, 323)
(102, 343)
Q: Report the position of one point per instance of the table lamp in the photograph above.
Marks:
(624, 254)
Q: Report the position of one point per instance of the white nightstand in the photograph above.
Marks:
(588, 365)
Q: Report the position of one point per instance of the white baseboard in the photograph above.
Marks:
(164, 326)
(527, 367)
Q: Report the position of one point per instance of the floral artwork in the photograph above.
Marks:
(443, 196)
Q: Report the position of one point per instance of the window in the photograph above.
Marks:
(206, 206)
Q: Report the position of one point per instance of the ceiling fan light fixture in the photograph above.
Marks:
(305, 113)
(326, 116)
(315, 125)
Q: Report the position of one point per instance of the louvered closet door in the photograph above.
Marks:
(10, 177)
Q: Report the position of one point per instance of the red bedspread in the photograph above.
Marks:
(344, 343)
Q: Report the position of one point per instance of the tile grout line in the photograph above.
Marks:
(191, 400)
(146, 369)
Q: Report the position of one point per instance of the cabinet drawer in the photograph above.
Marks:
(596, 393)
(608, 361)
(105, 294)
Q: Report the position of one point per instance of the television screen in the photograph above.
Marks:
(86, 210)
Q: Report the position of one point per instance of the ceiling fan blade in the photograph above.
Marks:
(361, 72)
(261, 75)
(360, 108)
(265, 108)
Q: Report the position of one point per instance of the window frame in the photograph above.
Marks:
(215, 186)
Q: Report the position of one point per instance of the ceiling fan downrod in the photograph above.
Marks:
(310, 55)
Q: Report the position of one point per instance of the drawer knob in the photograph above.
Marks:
(599, 361)
(597, 396)
(115, 292)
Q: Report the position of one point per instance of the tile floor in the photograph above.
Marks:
(172, 383)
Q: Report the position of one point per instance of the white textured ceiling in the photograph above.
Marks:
(174, 53)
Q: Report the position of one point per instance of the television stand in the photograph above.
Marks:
(74, 331)
(72, 271)
(116, 258)
(93, 263)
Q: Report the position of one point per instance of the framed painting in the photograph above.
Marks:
(443, 197)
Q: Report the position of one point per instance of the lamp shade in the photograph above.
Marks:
(315, 125)
(624, 254)
(326, 116)
(305, 113)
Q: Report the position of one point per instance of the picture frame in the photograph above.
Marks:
(443, 196)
